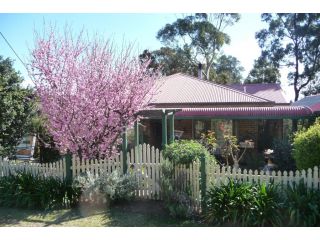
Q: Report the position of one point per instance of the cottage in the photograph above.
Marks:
(186, 106)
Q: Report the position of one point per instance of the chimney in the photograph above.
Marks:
(245, 89)
(200, 71)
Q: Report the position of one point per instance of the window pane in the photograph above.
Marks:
(201, 126)
(221, 128)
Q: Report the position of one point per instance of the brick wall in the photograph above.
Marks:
(185, 126)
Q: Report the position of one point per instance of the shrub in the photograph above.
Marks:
(229, 204)
(176, 199)
(112, 187)
(268, 202)
(186, 152)
(243, 204)
(306, 147)
(302, 206)
(283, 154)
(24, 190)
(209, 141)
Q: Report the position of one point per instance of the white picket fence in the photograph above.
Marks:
(144, 162)
(56, 169)
(217, 176)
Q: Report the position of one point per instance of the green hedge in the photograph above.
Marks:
(306, 147)
(186, 152)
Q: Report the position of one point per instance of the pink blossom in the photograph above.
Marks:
(88, 93)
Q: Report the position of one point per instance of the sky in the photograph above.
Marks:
(139, 28)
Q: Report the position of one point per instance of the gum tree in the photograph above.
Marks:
(88, 91)
(292, 41)
(198, 37)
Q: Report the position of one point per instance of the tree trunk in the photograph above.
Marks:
(236, 164)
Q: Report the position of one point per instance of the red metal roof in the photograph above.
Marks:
(183, 89)
(270, 91)
(313, 102)
(247, 112)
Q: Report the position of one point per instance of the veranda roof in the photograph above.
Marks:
(276, 112)
(313, 102)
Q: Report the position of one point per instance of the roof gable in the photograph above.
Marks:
(270, 91)
(183, 89)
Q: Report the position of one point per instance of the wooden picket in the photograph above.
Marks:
(43, 169)
(144, 163)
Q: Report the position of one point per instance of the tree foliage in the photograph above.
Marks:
(199, 37)
(292, 40)
(313, 88)
(16, 107)
(263, 71)
(186, 152)
(169, 61)
(228, 70)
(306, 147)
(45, 148)
(88, 92)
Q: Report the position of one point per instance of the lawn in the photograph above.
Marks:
(135, 214)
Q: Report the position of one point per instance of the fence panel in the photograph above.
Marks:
(144, 162)
(8, 167)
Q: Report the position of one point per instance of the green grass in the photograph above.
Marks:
(135, 214)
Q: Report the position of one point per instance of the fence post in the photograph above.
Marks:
(203, 182)
(68, 158)
(171, 127)
(124, 151)
(164, 129)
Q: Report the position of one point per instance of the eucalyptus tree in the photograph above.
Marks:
(199, 37)
(228, 70)
(292, 41)
(169, 61)
(263, 71)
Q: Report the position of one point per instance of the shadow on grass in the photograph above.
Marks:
(130, 214)
(145, 214)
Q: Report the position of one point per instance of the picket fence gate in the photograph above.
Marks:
(144, 161)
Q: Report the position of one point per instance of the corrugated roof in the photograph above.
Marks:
(270, 91)
(312, 102)
(181, 88)
(247, 112)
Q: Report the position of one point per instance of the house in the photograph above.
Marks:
(186, 106)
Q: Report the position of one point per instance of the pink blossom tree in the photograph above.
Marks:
(88, 92)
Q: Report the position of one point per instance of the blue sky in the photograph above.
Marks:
(139, 28)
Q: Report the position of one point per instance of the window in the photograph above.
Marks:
(219, 126)
(201, 126)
